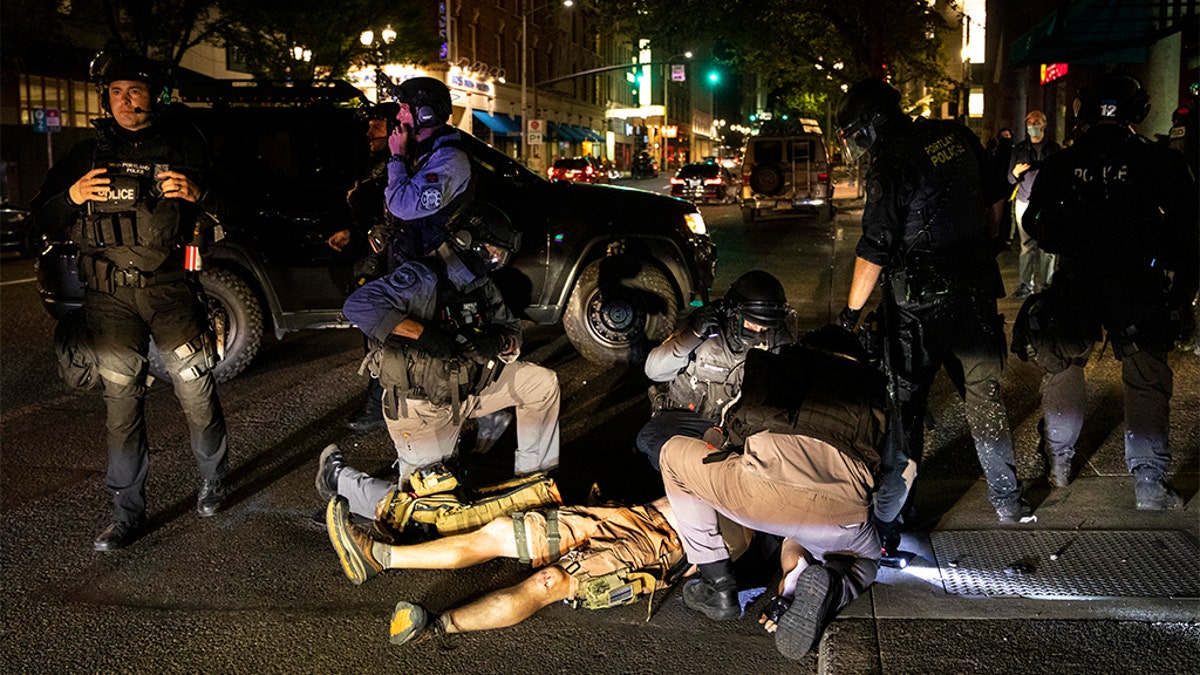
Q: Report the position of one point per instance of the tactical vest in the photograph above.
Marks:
(406, 372)
(805, 392)
(710, 381)
(136, 228)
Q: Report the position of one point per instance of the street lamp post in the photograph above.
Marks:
(525, 74)
(367, 39)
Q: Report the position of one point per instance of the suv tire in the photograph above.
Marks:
(619, 306)
(232, 301)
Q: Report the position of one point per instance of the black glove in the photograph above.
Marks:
(714, 437)
(848, 319)
(436, 342)
(480, 344)
(706, 320)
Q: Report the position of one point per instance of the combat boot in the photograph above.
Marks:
(715, 592)
(1151, 491)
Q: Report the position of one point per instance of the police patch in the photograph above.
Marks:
(874, 191)
(431, 198)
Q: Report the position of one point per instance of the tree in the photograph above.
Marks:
(796, 46)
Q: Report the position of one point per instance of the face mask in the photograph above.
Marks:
(1034, 130)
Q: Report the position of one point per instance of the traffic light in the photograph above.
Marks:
(714, 76)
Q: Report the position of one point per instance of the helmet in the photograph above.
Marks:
(477, 227)
(1119, 98)
(757, 297)
(428, 98)
(865, 106)
(110, 66)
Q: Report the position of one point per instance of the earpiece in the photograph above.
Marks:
(462, 239)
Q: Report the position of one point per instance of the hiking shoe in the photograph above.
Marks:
(210, 498)
(1152, 493)
(715, 592)
(352, 545)
(408, 621)
(329, 466)
(799, 629)
(1019, 514)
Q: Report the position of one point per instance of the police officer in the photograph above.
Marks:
(132, 199)
(702, 361)
(1121, 213)
(1035, 268)
(926, 233)
(447, 349)
(429, 174)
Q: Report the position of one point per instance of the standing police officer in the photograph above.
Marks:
(703, 360)
(1121, 213)
(130, 198)
(926, 232)
(447, 349)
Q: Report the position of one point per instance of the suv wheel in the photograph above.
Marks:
(766, 179)
(233, 308)
(620, 305)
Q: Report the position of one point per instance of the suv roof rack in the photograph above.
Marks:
(790, 127)
(296, 92)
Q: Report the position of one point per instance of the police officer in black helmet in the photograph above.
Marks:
(1121, 213)
(926, 234)
(133, 199)
(701, 363)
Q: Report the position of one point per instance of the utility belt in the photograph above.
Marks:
(102, 274)
(407, 373)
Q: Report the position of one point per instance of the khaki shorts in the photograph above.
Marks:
(603, 540)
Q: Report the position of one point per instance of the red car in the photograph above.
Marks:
(577, 170)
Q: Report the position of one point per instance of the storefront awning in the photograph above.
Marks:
(499, 123)
(1101, 31)
(587, 134)
(565, 133)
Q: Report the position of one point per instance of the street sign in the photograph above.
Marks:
(53, 120)
(678, 72)
(536, 131)
(39, 120)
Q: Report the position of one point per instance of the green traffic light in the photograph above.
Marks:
(714, 77)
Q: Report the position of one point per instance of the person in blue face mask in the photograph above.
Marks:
(1035, 266)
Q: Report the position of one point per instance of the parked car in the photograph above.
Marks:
(17, 232)
(704, 181)
(578, 170)
(786, 169)
(643, 167)
(614, 265)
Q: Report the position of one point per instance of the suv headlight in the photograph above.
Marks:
(695, 223)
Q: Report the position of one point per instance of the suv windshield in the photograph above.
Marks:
(699, 171)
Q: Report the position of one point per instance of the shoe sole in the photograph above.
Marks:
(322, 489)
(799, 629)
(408, 620)
(354, 564)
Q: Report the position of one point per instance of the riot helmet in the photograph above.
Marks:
(427, 98)
(1113, 97)
(110, 66)
(482, 240)
(866, 106)
(756, 309)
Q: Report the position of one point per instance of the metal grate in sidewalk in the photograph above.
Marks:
(1068, 564)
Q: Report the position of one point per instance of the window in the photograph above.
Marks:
(77, 101)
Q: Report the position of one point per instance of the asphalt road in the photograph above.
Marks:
(257, 588)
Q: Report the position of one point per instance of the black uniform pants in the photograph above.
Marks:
(122, 324)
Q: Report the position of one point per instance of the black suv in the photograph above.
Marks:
(615, 265)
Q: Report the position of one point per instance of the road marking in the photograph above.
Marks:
(17, 281)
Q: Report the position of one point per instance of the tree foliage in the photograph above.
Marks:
(794, 45)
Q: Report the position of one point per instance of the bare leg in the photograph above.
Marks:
(793, 559)
(512, 605)
(494, 540)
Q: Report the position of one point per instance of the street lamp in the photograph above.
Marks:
(367, 39)
(525, 74)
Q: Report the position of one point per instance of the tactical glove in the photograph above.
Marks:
(436, 342)
(848, 319)
(705, 321)
(480, 344)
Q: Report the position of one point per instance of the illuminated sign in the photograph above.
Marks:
(1053, 71)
